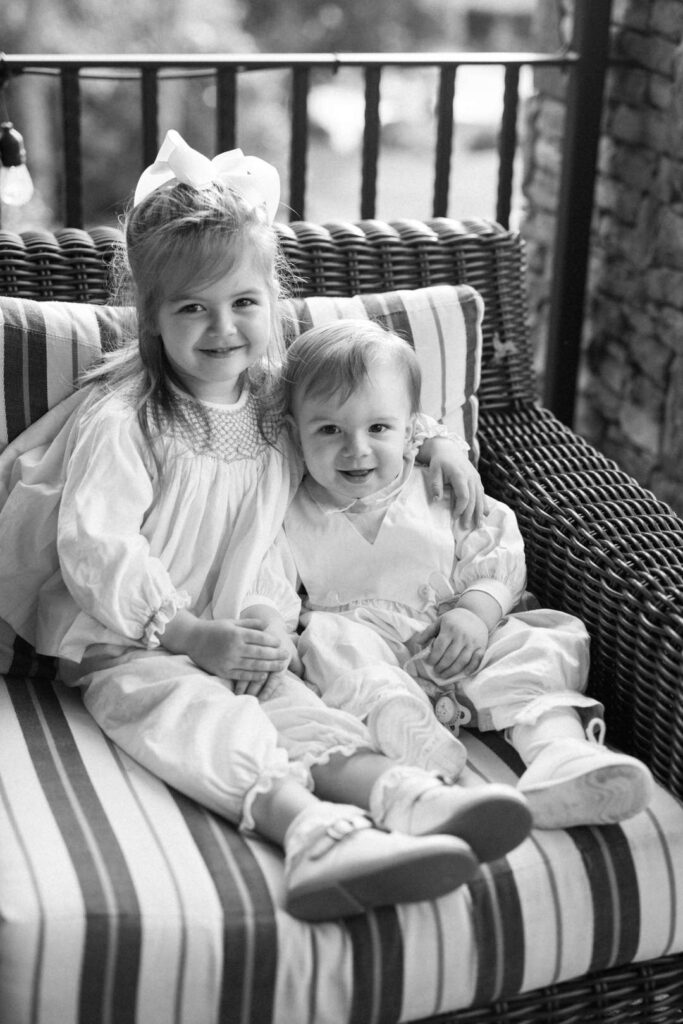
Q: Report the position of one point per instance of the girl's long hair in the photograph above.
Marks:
(180, 235)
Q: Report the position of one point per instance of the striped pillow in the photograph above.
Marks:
(44, 346)
(441, 322)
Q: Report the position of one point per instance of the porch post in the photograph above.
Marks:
(575, 205)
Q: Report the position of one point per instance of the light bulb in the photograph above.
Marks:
(16, 186)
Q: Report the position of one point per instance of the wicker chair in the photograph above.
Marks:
(598, 544)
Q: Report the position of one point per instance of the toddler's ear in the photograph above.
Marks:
(410, 433)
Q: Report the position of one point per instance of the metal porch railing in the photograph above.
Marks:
(584, 63)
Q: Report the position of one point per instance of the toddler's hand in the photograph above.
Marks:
(459, 640)
(239, 650)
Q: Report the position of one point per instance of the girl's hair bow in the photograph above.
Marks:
(252, 178)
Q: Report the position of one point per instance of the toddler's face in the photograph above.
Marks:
(355, 448)
(212, 333)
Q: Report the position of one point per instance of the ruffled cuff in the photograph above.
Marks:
(162, 616)
(425, 427)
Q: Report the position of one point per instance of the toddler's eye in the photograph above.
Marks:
(378, 428)
(191, 307)
(328, 428)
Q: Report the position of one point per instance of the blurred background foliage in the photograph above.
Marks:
(111, 110)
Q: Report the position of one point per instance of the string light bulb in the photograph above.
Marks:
(16, 185)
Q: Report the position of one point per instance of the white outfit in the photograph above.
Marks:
(131, 549)
(379, 573)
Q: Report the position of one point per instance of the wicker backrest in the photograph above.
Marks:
(338, 258)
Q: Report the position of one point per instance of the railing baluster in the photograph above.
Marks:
(298, 153)
(226, 109)
(71, 126)
(371, 133)
(150, 115)
(507, 144)
(444, 140)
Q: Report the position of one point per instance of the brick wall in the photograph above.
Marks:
(631, 381)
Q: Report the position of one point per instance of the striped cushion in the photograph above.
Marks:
(44, 346)
(442, 323)
(122, 900)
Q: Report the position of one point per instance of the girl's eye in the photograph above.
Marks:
(244, 302)
(328, 428)
(378, 428)
(191, 307)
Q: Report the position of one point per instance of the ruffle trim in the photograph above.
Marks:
(162, 616)
(292, 769)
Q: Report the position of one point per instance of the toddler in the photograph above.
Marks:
(402, 601)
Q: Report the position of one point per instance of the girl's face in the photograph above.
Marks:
(355, 448)
(213, 333)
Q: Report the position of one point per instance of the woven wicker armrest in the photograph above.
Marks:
(601, 547)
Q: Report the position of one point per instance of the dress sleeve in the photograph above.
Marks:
(277, 583)
(491, 557)
(104, 558)
(425, 427)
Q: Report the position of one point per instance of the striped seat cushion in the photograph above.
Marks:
(122, 900)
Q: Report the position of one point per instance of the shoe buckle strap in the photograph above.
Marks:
(336, 832)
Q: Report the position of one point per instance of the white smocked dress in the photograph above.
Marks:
(377, 574)
(131, 549)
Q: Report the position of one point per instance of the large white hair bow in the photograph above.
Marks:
(252, 178)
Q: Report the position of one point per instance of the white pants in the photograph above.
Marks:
(535, 661)
(189, 728)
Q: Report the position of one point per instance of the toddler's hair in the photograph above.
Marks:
(335, 358)
(179, 237)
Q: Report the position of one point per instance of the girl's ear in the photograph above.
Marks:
(294, 430)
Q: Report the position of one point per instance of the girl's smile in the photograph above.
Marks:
(213, 333)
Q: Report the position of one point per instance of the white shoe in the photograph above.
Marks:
(344, 867)
(407, 731)
(492, 818)
(581, 782)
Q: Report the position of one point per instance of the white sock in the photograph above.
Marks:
(558, 724)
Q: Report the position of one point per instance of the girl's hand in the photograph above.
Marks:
(240, 650)
(459, 639)
(275, 626)
(449, 465)
(266, 687)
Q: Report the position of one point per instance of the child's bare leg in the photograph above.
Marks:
(492, 819)
(338, 864)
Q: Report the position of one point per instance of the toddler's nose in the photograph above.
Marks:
(356, 444)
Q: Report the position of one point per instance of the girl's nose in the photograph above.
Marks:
(222, 325)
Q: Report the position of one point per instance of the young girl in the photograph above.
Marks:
(403, 601)
(176, 479)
